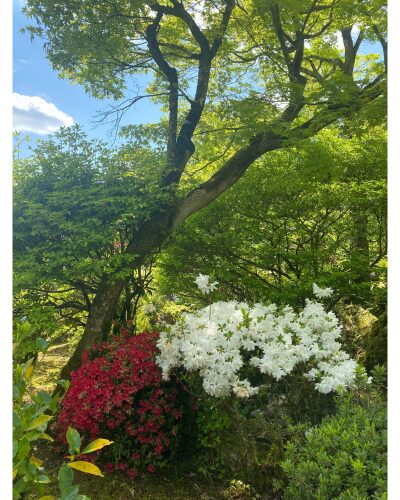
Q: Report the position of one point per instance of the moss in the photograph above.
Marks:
(365, 335)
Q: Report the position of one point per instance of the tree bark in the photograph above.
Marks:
(98, 323)
(147, 240)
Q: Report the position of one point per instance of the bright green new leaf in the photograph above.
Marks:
(38, 422)
(24, 448)
(45, 436)
(35, 461)
(42, 479)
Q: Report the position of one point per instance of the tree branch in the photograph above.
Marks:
(172, 77)
(265, 142)
(184, 145)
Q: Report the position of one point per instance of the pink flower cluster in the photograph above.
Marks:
(118, 394)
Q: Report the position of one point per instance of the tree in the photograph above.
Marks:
(74, 214)
(243, 78)
(271, 237)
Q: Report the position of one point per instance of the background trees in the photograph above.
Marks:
(319, 216)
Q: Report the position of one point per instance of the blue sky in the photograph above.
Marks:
(44, 101)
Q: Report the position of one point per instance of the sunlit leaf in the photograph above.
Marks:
(86, 467)
(97, 444)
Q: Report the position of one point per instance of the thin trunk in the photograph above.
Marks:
(362, 246)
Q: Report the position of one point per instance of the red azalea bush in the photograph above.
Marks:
(118, 394)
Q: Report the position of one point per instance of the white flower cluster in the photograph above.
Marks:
(213, 341)
(149, 308)
(322, 293)
(202, 281)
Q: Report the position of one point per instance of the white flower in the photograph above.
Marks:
(212, 341)
(322, 293)
(149, 309)
(202, 281)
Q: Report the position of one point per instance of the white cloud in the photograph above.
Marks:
(34, 114)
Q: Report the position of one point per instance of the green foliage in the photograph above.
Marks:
(94, 200)
(315, 213)
(75, 204)
(30, 421)
(344, 457)
(213, 426)
(28, 338)
(101, 46)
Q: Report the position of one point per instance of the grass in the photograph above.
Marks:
(48, 367)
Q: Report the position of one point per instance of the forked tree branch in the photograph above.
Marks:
(268, 141)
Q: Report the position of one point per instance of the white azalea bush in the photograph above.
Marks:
(214, 341)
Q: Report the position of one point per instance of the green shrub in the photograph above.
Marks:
(30, 420)
(29, 334)
(213, 428)
(344, 457)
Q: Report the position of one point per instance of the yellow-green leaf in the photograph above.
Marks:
(35, 461)
(37, 422)
(15, 472)
(97, 444)
(47, 497)
(43, 435)
(28, 372)
(87, 467)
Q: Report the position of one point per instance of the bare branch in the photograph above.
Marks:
(115, 113)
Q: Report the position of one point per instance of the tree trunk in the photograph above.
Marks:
(148, 239)
(98, 322)
(362, 246)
